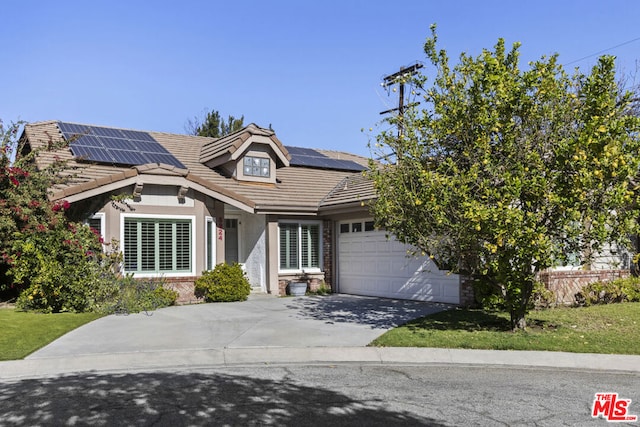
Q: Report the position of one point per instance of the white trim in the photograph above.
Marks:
(191, 218)
(362, 221)
(102, 217)
(259, 139)
(320, 267)
(157, 179)
(212, 220)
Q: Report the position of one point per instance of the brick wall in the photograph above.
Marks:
(327, 254)
(467, 294)
(565, 284)
(313, 282)
(185, 287)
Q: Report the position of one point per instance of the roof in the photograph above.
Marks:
(351, 191)
(297, 190)
(231, 146)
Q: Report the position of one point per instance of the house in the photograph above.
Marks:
(178, 205)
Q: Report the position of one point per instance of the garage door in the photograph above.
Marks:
(370, 264)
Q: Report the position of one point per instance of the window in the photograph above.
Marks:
(344, 228)
(211, 243)
(96, 222)
(299, 246)
(257, 166)
(369, 226)
(231, 241)
(356, 227)
(155, 245)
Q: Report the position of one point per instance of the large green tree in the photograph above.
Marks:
(501, 172)
(213, 125)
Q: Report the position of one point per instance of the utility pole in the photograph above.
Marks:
(392, 79)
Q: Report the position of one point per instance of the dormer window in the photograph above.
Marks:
(257, 166)
(251, 155)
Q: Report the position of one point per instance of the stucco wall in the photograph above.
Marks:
(253, 248)
(155, 202)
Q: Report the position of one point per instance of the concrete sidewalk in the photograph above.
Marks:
(269, 331)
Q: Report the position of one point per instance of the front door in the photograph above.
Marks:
(231, 245)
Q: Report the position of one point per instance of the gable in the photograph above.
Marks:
(234, 146)
(297, 190)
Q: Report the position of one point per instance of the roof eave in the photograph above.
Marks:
(347, 207)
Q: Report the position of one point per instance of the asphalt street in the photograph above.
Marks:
(297, 361)
(317, 395)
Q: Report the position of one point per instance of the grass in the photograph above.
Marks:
(22, 333)
(612, 329)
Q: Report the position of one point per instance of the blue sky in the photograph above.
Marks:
(311, 69)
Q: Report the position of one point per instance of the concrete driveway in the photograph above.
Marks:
(261, 321)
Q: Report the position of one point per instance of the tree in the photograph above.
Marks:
(502, 173)
(213, 125)
(49, 262)
(24, 206)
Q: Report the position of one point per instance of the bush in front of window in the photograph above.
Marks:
(225, 283)
(136, 295)
(62, 267)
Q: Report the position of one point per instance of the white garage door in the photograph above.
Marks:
(370, 264)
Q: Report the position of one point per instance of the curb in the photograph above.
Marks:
(277, 356)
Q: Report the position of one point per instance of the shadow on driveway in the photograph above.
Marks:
(180, 399)
(378, 313)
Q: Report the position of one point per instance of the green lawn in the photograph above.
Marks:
(22, 333)
(612, 328)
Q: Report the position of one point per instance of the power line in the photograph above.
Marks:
(603, 51)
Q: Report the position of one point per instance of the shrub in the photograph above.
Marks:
(135, 295)
(225, 283)
(619, 290)
(164, 296)
(62, 268)
(24, 205)
(542, 297)
(488, 296)
(323, 289)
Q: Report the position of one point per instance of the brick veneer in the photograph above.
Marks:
(467, 294)
(185, 287)
(313, 282)
(327, 254)
(565, 284)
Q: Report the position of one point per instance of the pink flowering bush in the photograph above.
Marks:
(47, 262)
(62, 268)
(24, 206)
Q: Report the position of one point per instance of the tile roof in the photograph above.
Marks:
(231, 143)
(297, 190)
(351, 190)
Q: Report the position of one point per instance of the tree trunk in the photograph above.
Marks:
(519, 312)
(518, 320)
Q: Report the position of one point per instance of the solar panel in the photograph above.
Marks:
(116, 146)
(314, 159)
